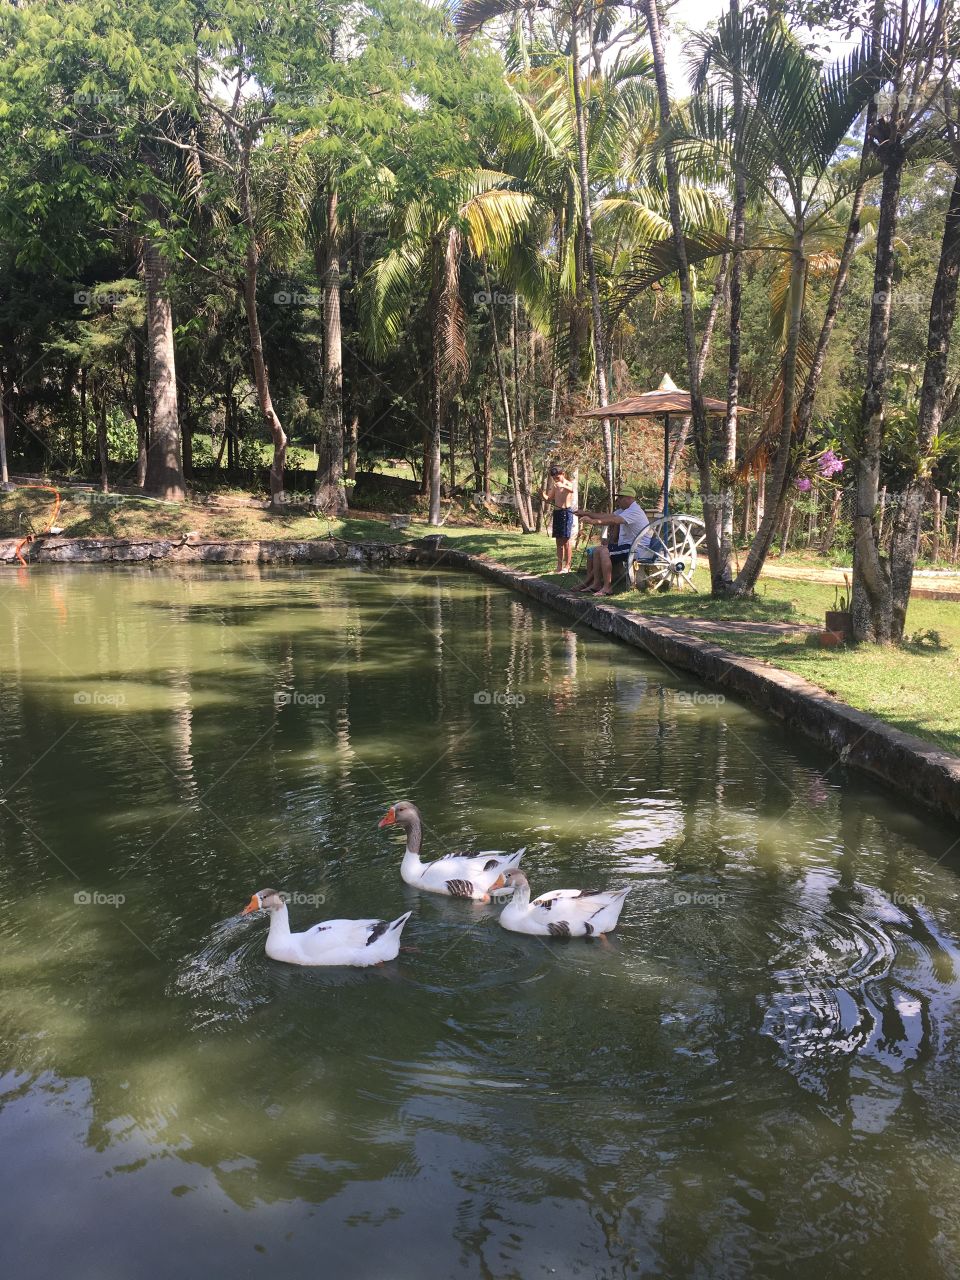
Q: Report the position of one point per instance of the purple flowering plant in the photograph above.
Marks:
(822, 466)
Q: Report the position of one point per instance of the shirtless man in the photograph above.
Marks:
(559, 491)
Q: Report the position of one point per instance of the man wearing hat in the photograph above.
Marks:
(559, 491)
(625, 523)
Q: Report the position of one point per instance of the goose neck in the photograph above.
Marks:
(280, 923)
(414, 830)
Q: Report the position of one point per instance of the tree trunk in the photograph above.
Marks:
(328, 492)
(524, 478)
(187, 448)
(487, 446)
(353, 437)
(700, 436)
(933, 396)
(261, 375)
(872, 605)
(826, 542)
(4, 472)
(84, 419)
(787, 522)
(729, 439)
(452, 417)
(773, 502)
(101, 413)
(432, 459)
(599, 346)
(164, 473)
(935, 547)
(141, 397)
(747, 578)
(505, 404)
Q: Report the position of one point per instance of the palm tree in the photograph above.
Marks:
(793, 118)
(574, 15)
(476, 211)
(917, 52)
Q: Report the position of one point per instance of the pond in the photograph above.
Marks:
(758, 1069)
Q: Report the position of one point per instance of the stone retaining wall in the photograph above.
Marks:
(47, 550)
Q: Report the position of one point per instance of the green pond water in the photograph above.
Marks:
(758, 1075)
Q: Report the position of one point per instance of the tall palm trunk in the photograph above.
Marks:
(260, 373)
(779, 476)
(703, 352)
(526, 522)
(164, 471)
(881, 585)
(599, 346)
(141, 396)
(718, 574)
(933, 396)
(102, 457)
(728, 450)
(871, 599)
(328, 492)
(747, 578)
(4, 473)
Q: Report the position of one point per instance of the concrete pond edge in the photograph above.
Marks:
(911, 766)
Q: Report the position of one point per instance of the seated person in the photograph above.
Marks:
(625, 523)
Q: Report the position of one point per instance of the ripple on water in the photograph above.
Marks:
(855, 978)
(224, 980)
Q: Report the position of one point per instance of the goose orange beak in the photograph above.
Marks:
(252, 905)
(388, 819)
(499, 883)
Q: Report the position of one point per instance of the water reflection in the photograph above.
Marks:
(762, 1060)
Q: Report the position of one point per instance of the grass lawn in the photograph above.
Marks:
(915, 687)
(85, 515)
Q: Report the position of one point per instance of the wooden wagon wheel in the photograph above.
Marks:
(664, 555)
(698, 530)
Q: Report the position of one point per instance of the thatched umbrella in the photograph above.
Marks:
(668, 400)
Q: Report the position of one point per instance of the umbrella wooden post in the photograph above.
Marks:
(666, 464)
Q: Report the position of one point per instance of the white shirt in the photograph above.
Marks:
(635, 520)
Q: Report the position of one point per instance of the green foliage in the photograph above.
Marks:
(125, 124)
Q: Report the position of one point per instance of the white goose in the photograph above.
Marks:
(334, 942)
(459, 875)
(564, 913)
